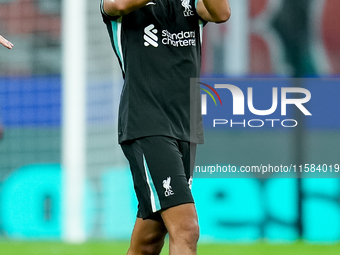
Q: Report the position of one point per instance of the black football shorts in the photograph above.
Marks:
(162, 169)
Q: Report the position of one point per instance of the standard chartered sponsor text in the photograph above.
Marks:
(181, 39)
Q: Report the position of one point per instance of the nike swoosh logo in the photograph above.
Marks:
(150, 3)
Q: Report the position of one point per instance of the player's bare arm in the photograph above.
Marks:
(6, 43)
(214, 10)
(123, 7)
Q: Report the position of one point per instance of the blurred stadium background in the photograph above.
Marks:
(41, 200)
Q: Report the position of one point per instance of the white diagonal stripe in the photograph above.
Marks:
(150, 31)
(152, 196)
(150, 41)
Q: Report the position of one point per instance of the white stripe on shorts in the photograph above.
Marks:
(155, 204)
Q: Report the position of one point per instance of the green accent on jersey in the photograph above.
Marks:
(116, 32)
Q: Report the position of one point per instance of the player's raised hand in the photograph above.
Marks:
(6, 43)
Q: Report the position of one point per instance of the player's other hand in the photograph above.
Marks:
(6, 43)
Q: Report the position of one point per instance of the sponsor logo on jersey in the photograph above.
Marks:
(187, 8)
(150, 36)
(167, 187)
(181, 39)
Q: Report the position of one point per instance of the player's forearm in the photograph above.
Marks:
(214, 10)
(122, 7)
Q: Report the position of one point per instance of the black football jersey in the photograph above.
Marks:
(159, 49)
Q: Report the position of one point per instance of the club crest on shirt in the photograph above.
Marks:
(187, 8)
(167, 187)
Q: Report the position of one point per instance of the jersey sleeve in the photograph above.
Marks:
(195, 2)
(106, 17)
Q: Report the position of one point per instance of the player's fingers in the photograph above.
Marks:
(6, 43)
(9, 45)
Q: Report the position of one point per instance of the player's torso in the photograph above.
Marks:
(161, 29)
(159, 46)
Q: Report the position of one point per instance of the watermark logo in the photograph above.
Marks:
(204, 97)
(288, 96)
